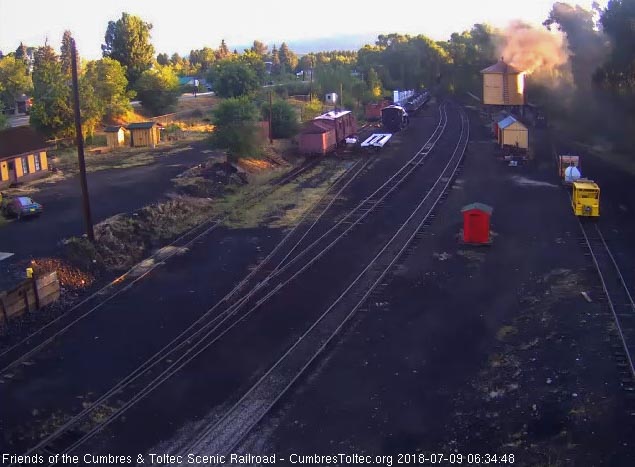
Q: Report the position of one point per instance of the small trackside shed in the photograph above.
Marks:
(144, 134)
(511, 132)
(317, 137)
(115, 136)
(476, 223)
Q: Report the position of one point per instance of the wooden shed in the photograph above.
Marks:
(511, 132)
(476, 223)
(503, 85)
(144, 134)
(115, 136)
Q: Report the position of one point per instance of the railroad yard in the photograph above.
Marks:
(365, 327)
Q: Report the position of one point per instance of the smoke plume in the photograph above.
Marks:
(535, 51)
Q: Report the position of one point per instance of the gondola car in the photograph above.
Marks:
(394, 118)
(585, 198)
(416, 102)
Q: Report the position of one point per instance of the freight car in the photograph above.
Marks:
(326, 132)
(416, 102)
(394, 118)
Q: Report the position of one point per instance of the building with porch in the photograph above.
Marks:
(22, 155)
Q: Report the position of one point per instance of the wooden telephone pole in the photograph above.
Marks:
(80, 146)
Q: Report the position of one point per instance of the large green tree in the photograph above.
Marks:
(158, 89)
(107, 79)
(14, 81)
(288, 59)
(52, 112)
(66, 51)
(234, 78)
(127, 40)
(235, 126)
(617, 23)
(284, 119)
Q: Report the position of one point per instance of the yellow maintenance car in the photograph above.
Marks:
(585, 198)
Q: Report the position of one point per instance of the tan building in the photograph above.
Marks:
(22, 155)
(503, 85)
(144, 134)
(115, 136)
(511, 132)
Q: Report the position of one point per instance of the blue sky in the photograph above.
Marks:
(181, 26)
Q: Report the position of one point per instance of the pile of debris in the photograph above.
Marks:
(209, 179)
(69, 276)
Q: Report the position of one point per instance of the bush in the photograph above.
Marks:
(236, 130)
(158, 89)
(284, 120)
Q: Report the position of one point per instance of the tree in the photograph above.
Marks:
(284, 120)
(288, 60)
(584, 41)
(163, 59)
(235, 79)
(21, 53)
(223, 50)
(158, 89)
(14, 81)
(204, 58)
(374, 83)
(254, 61)
(235, 127)
(617, 23)
(51, 112)
(107, 79)
(275, 61)
(259, 48)
(127, 40)
(66, 50)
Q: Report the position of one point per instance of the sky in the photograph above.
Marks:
(182, 26)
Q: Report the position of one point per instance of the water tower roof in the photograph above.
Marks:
(502, 68)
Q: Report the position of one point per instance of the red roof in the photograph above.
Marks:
(20, 140)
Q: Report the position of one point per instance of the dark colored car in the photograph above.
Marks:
(21, 206)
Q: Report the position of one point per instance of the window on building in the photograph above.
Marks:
(25, 166)
(38, 163)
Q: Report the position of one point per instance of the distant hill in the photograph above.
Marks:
(323, 44)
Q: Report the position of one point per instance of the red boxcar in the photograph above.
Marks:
(372, 110)
(324, 133)
(476, 223)
(317, 138)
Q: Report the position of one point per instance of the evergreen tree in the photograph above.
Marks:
(259, 48)
(66, 50)
(127, 40)
(223, 50)
(288, 60)
(275, 60)
(21, 53)
(163, 59)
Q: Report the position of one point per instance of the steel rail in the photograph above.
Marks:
(157, 358)
(224, 439)
(212, 223)
(602, 275)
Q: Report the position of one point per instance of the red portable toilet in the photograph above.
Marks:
(476, 220)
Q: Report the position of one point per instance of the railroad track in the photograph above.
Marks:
(223, 436)
(201, 334)
(618, 298)
(33, 343)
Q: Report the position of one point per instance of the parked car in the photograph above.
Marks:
(20, 206)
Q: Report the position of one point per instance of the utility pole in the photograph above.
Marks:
(80, 146)
(341, 95)
(270, 118)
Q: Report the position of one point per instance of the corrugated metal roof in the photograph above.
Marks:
(502, 68)
(141, 125)
(19, 140)
(113, 129)
(479, 206)
(332, 115)
(507, 121)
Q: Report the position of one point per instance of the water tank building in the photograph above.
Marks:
(503, 85)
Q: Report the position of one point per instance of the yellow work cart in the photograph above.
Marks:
(585, 198)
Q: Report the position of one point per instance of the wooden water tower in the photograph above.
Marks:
(503, 85)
